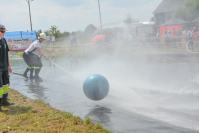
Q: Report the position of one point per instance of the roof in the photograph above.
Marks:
(169, 6)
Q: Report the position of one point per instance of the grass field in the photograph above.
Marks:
(29, 116)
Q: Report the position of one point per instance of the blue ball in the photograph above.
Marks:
(96, 87)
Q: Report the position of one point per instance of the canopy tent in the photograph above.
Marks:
(98, 38)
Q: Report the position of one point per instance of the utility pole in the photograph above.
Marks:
(28, 1)
(100, 15)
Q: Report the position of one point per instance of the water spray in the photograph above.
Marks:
(57, 65)
(95, 87)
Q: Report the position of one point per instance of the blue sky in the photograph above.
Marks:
(72, 15)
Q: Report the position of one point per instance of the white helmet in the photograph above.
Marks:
(42, 36)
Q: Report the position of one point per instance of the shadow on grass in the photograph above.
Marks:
(14, 110)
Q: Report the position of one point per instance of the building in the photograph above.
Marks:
(167, 10)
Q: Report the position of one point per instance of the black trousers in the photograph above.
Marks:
(32, 60)
(4, 80)
(27, 58)
(34, 63)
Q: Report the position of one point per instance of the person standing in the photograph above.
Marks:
(5, 68)
(32, 57)
(190, 40)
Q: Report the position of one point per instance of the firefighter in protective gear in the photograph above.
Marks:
(32, 57)
(4, 68)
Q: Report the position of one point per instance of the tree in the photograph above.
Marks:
(90, 29)
(65, 34)
(54, 31)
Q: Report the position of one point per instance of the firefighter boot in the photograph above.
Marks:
(37, 78)
(4, 100)
(25, 73)
(31, 74)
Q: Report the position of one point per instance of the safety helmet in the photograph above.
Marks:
(42, 36)
(2, 28)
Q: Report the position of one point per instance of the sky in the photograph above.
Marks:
(72, 15)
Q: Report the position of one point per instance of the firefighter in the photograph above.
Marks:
(32, 57)
(5, 68)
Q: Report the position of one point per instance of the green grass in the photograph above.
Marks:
(28, 116)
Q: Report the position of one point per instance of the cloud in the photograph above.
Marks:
(71, 15)
(67, 18)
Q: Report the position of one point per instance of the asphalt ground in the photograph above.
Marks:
(148, 93)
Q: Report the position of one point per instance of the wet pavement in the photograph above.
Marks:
(147, 94)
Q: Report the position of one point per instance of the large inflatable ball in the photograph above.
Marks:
(96, 87)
